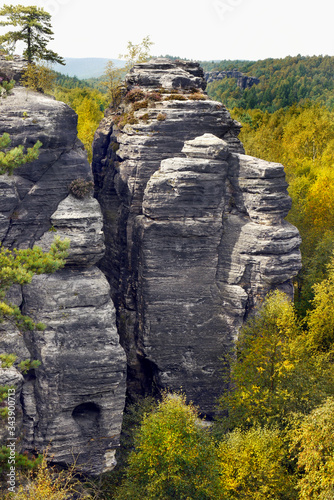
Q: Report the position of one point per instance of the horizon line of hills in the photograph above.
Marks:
(282, 82)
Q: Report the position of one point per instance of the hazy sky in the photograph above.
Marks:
(194, 29)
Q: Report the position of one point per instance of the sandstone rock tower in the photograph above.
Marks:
(73, 403)
(195, 230)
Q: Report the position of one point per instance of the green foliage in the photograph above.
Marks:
(174, 456)
(35, 31)
(6, 86)
(313, 438)
(38, 77)
(4, 393)
(252, 466)
(113, 82)
(19, 267)
(283, 82)
(7, 360)
(113, 79)
(137, 53)
(262, 367)
(89, 104)
(106, 486)
(27, 365)
(47, 483)
(22, 461)
(277, 367)
(80, 188)
(320, 319)
(11, 159)
(72, 82)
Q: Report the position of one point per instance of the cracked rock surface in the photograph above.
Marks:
(72, 404)
(195, 230)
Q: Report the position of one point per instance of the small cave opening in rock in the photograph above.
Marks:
(87, 417)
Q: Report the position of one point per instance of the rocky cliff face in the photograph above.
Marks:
(195, 229)
(73, 403)
(243, 81)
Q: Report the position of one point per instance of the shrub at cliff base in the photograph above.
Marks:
(174, 456)
(251, 465)
(280, 366)
(48, 484)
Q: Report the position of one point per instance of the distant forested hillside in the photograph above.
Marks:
(283, 82)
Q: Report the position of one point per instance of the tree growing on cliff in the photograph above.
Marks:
(19, 267)
(113, 81)
(114, 76)
(34, 30)
(137, 53)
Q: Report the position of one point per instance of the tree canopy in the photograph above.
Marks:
(13, 158)
(174, 456)
(34, 30)
(283, 82)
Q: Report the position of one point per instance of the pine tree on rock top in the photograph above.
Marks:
(34, 30)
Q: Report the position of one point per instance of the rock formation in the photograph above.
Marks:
(243, 81)
(12, 69)
(195, 229)
(72, 404)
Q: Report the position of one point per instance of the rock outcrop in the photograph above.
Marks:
(12, 68)
(243, 81)
(72, 404)
(195, 229)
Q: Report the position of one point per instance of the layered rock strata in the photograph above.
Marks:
(72, 404)
(195, 229)
(12, 68)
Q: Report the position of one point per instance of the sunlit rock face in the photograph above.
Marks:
(195, 230)
(72, 404)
